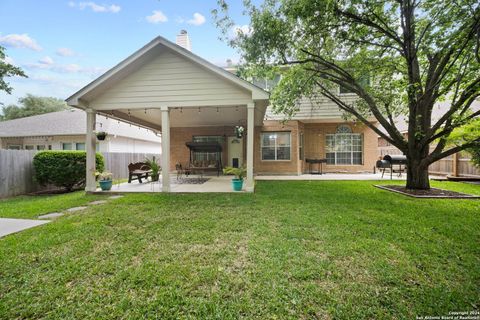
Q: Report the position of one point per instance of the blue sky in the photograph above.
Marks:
(62, 45)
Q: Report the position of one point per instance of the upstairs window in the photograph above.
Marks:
(266, 84)
(364, 81)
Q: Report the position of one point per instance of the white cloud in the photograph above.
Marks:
(237, 30)
(20, 41)
(113, 8)
(48, 64)
(65, 52)
(46, 60)
(9, 60)
(197, 20)
(157, 17)
(69, 68)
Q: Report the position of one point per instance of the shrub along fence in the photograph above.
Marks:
(17, 175)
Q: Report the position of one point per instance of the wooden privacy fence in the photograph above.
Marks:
(458, 164)
(17, 172)
(117, 163)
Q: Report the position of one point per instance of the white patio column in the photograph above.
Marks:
(165, 149)
(250, 139)
(90, 146)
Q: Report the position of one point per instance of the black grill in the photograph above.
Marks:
(400, 161)
(396, 159)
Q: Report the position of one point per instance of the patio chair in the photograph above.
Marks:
(181, 171)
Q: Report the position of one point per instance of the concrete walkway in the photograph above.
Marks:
(9, 226)
(223, 183)
(335, 176)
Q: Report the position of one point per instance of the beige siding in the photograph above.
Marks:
(318, 109)
(173, 81)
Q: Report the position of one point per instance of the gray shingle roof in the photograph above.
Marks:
(68, 122)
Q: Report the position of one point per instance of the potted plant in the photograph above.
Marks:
(102, 135)
(155, 167)
(105, 180)
(239, 130)
(239, 173)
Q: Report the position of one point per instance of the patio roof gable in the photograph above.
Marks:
(145, 55)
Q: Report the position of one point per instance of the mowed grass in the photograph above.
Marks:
(324, 249)
(30, 207)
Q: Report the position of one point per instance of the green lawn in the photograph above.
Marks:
(327, 250)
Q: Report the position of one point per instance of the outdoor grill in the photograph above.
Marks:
(389, 161)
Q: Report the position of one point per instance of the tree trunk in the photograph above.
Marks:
(417, 175)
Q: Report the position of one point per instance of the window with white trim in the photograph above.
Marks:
(344, 147)
(301, 149)
(67, 146)
(80, 146)
(275, 145)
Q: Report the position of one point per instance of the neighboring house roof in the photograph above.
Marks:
(131, 63)
(67, 123)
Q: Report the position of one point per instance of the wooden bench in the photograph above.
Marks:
(138, 170)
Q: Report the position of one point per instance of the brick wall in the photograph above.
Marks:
(291, 166)
(314, 139)
(179, 136)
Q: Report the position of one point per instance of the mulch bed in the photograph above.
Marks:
(432, 193)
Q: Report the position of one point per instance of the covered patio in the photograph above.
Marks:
(213, 183)
(167, 89)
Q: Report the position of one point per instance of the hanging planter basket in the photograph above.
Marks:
(239, 131)
(101, 135)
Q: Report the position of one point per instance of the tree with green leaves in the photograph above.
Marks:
(475, 153)
(7, 70)
(31, 105)
(415, 53)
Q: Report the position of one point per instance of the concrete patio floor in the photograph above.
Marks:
(223, 183)
(334, 176)
(9, 226)
(214, 184)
